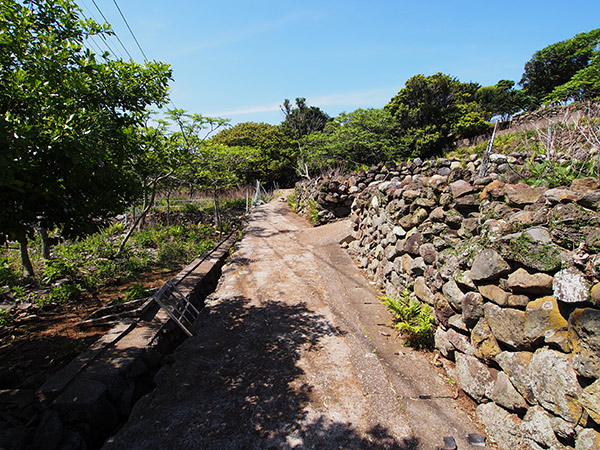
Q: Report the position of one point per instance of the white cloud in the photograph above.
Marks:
(248, 110)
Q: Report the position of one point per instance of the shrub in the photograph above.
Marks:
(61, 294)
(413, 319)
(5, 317)
(7, 274)
(136, 291)
(171, 253)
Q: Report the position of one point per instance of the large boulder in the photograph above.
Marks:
(543, 321)
(474, 377)
(555, 385)
(508, 325)
(502, 426)
(516, 366)
(585, 324)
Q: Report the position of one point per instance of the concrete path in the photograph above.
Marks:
(294, 350)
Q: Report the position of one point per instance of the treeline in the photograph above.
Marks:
(426, 117)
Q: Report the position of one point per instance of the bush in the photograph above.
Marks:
(171, 252)
(61, 294)
(413, 319)
(136, 291)
(5, 317)
(7, 274)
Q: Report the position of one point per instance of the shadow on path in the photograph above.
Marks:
(236, 385)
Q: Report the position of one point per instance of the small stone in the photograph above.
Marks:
(518, 300)
(523, 281)
(453, 293)
(423, 292)
(588, 439)
(558, 195)
(494, 293)
(429, 253)
(456, 321)
(543, 320)
(505, 394)
(537, 427)
(501, 426)
(463, 278)
(571, 286)
(521, 194)
(590, 400)
(442, 343)
(472, 308)
(460, 342)
(460, 188)
(508, 325)
(585, 324)
(585, 185)
(493, 190)
(516, 366)
(488, 265)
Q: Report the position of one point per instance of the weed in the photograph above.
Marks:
(61, 294)
(413, 318)
(313, 211)
(5, 317)
(292, 201)
(136, 291)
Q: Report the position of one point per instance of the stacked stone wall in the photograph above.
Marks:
(512, 274)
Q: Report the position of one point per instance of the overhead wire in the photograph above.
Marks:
(114, 32)
(130, 30)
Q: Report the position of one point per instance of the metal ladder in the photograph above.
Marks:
(177, 306)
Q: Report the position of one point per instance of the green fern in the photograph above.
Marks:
(413, 318)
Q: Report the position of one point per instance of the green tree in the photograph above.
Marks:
(64, 121)
(583, 86)
(556, 64)
(501, 99)
(432, 112)
(302, 121)
(272, 151)
(362, 137)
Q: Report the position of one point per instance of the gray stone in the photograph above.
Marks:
(585, 324)
(537, 427)
(463, 278)
(413, 242)
(437, 215)
(503, 427)
(460, 188)
(587, 439)
(428, 253)
(488, 265)
(453, 293)
(474, 377)
(590, 400)
(456, 321)
(505, 394)
(508, 325)
(555, 385)
(423, 292)
(518, 300)
(460, 342)
(523, 281)
(472, 308)
(494, 293)
(516, 366)
(417, 266)
(442, 343)
(571, 286)
(558, 195)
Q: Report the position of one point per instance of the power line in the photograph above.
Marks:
(115, 33)
(130, 30)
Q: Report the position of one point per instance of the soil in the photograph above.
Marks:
(40, 341)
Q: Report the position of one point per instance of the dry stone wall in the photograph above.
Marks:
(512, 274)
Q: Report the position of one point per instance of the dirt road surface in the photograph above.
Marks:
(294, 351)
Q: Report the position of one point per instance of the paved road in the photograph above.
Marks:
(294, 351)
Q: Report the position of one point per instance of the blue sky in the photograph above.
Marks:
(241, 59)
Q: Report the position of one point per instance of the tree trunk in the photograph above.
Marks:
(25, 261)
(45, 243)
(217, 213)
(135, 223)
(168, 205)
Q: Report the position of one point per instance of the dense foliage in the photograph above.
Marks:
(557, 64)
